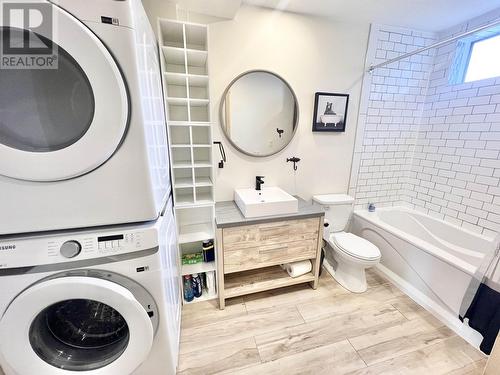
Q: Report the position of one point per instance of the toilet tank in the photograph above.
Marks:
(338, 210)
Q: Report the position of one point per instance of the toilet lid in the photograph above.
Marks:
(356, 246)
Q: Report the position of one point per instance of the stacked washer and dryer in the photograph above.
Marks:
(89, 278)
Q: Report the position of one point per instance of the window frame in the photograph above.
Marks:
(463, 55)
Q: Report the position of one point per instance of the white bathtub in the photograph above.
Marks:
(431, 260)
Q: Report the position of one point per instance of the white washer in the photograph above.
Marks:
(102, 302)
(85, 144)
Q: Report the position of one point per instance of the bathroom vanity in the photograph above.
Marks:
(251, 250)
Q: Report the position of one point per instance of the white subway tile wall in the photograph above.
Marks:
(424, 142)
(392, 104)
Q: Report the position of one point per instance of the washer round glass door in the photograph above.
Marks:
(60, 123)
(84, 324)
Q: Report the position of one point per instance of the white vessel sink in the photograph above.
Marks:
(266, 202)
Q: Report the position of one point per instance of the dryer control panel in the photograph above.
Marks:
(71, 246)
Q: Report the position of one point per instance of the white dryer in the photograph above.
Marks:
(84, 144)
(102, 302)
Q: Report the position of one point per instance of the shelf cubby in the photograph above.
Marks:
(196, 37)
(197, 61)
(195, 224)
(202, 155)
(184, 196)
(197, 92)
(202, 267)
(198, 80)
(177, 91)
(204, 195)
(196, 70)
(191, 247)
(181, 156)
(175, 78)
(200, 111)
(174, 55)
(174, 68)
(179, 135)
(172, 34)
(203, 177)
(201, 135)
(178, 112)
(183, 177)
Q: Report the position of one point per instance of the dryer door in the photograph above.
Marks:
(57, 124)
(81, 324)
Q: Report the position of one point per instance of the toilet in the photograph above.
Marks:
(351, 254)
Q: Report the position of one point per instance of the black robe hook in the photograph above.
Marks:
(294, 160)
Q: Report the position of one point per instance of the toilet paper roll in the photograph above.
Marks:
(297, 269)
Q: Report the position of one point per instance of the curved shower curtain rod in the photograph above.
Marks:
(435, 45)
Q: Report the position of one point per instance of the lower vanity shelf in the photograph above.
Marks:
(258, 280)
(250, 251)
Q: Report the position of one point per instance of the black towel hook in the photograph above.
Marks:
(294, 160)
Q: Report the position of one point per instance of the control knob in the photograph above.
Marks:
(70, 249)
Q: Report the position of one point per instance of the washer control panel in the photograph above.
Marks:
(75, 246)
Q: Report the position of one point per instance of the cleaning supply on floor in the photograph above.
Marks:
(297, 269)
(208, 251)
(196, 285)
(210, 282)
(188, 288)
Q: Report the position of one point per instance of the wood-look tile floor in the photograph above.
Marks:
(298, 330)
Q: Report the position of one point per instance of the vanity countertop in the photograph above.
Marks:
(227, 214)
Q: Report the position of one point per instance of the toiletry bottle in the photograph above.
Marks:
(208, 251)
(188, 289)
(196, 285)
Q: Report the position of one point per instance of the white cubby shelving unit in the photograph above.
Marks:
(184, 48)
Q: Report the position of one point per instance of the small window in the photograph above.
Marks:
(476, 57)
(484, 60)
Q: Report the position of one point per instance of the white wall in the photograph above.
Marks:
(312, 54)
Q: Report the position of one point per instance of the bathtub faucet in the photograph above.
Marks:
(371, 207)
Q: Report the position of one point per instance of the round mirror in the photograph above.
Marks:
(259, 113)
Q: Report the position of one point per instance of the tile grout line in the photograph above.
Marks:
(258, 350)
(402, 314)
(300, 314)
(359, 355)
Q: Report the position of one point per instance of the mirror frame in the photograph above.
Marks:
(223, 100)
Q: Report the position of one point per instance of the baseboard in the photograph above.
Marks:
(463, 330)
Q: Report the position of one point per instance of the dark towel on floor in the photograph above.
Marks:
(484, 316)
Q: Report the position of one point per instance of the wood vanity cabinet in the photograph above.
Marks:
(249, 256)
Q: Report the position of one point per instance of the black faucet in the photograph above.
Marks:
(259, 180)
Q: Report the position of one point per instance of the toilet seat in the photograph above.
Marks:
(355, 246)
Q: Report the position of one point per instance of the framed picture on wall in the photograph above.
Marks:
(330, 112)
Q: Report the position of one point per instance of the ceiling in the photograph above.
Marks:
(431, 15)
(215, 8)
